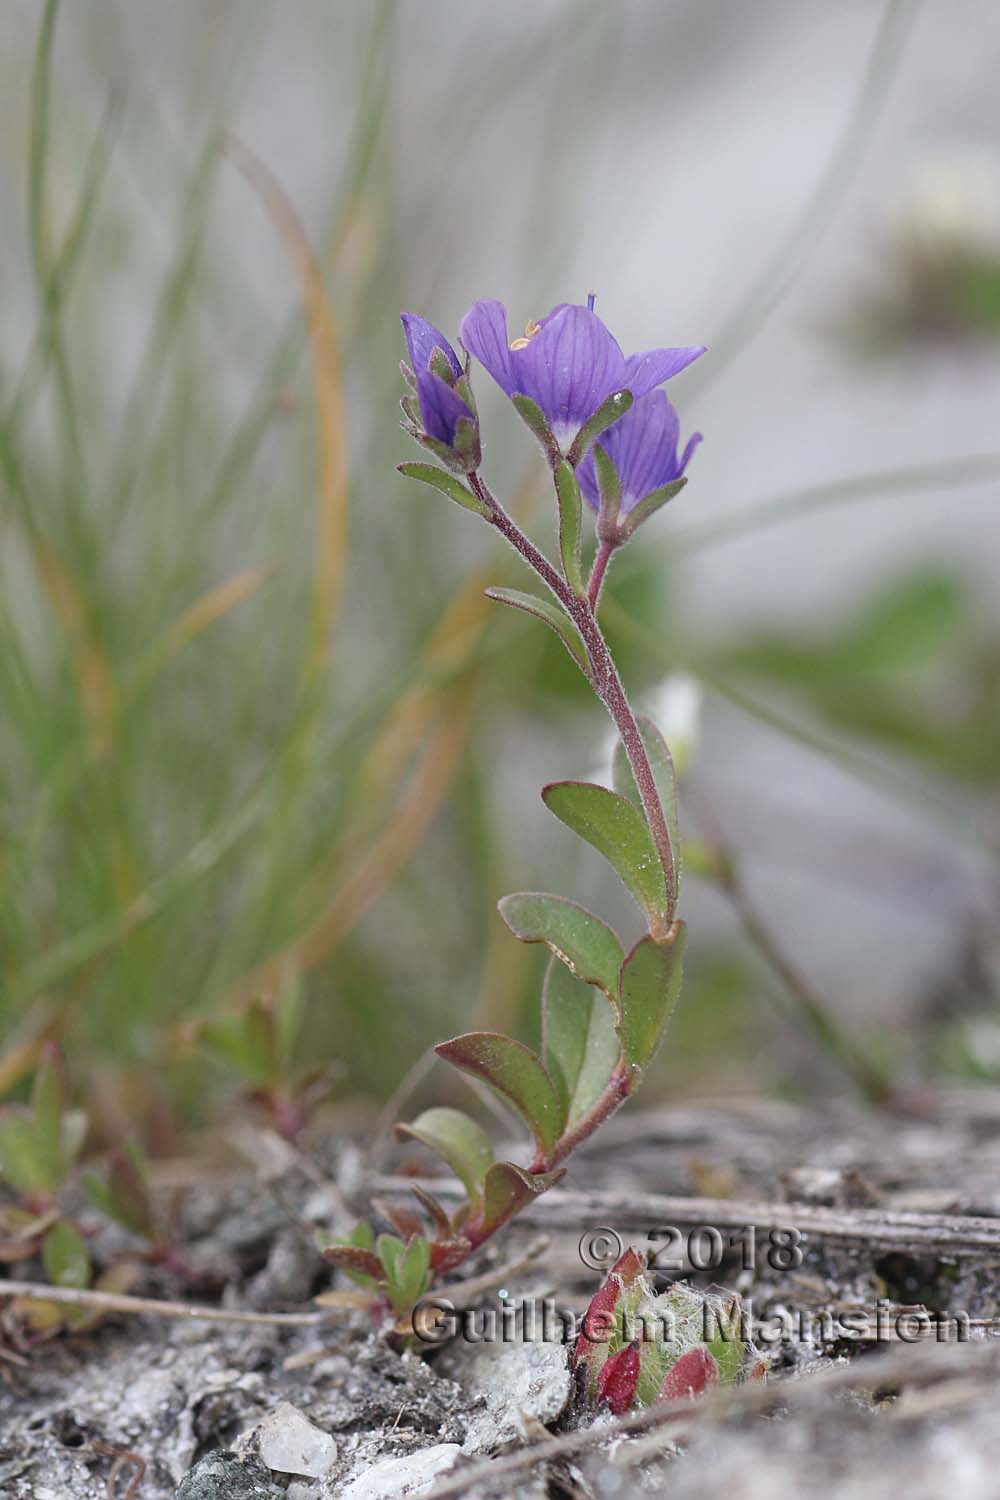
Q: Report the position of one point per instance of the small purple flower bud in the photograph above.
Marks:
(447, 424)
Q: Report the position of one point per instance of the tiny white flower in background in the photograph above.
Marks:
(675, 708)
(953, 201)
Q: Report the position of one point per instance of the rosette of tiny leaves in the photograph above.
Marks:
(637, 1346)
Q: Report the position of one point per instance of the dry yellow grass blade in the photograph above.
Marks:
(21, 1053)
(450, 648)
(375, 872)
(214, 605)
(95, 679)
(333, 471)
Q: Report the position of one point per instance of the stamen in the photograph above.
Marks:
(591, 299)
(529, 333)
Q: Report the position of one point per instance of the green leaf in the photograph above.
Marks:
(73, 1129)
(650, 984)
(610, 490)
(571, 528)
(413, 1273)
(613, 825)
(665, 778)
(289, 1012)
(245, 1042)
(552, 616)
(614, 407)
(64, 1256)
(509, 1188)
(47, 1108)
(123, 1193)
(389, 1248)
(448, 484)
(585, 944)
(22, 1162)
(650, 504)
(516, 1073)
(407, 1269)
(579, 1042)
(458, 1140)
(533, 417)
(130, 1191)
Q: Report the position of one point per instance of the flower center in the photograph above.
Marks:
(529, 333)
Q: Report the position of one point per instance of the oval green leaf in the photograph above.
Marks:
(517, 1075)
(579, 1042)
(509, 1188)
(448, 484)
(648, 989)
(551, 616)
(618, 830)
(585, 944)
(662, 766)
(64, 1256)
(458, 1140)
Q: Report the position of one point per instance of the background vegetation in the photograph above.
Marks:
(267, 758)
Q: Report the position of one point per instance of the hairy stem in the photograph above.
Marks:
(608, 687)
(598, 571)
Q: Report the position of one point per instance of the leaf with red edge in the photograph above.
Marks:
(458, 1140)
(617, 1381)
(601, 1334)
(585, 944)
(403, 1220)
(516, 1073)
(618, 830)
(694, 1373)
(433, 1208)
(447, 1254)
(508, 1188)
(352, 1258)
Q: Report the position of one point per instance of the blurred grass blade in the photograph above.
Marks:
(333, 474)
(205, 612)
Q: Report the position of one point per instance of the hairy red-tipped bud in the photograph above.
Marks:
(601, 1317)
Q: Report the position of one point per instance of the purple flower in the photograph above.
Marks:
(568, 363)
(642, 445)
(447, 422)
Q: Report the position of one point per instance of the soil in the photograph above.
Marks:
(873, 1292)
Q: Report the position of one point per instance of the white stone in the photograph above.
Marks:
(520, 1383)
(288, 1443)
(410, 1475)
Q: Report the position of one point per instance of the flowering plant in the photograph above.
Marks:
(610, 437)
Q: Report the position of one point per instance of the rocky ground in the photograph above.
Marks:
(880, 1340)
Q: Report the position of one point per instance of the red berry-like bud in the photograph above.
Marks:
(618, 1379)
(694, 1373)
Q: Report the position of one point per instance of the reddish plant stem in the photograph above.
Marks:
(608, 687)
(616, 1091)
(598, 571)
